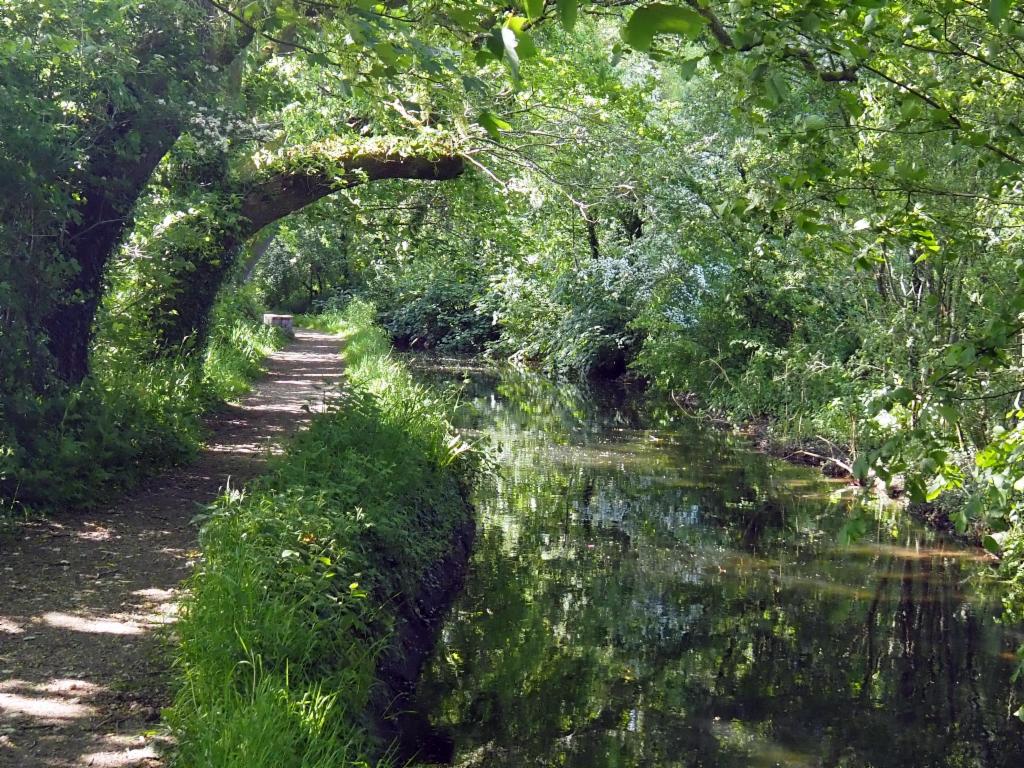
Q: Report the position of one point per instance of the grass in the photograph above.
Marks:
(286, 618)
(137, 412)
(234, 358)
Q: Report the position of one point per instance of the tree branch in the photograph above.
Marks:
(291, 190)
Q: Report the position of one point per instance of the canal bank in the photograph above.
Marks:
(321, 585)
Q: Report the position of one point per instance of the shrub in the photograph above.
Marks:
(128, 418)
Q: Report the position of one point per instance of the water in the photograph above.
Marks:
(646, 597)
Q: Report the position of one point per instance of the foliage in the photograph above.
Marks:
(304, 260)
(788, 213)
(129, 419)
(136, 132)
(289, 612)
(804, 213)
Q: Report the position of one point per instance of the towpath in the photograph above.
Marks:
(83, 597)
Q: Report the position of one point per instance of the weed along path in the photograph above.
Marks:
(83, 673)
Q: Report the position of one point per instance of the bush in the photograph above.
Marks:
(442, 316)
(129, 418)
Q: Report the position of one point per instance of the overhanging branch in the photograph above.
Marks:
(181, 315)
(291, 190)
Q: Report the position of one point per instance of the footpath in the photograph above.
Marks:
(85, 597)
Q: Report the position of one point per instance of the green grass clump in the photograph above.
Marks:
(135, 413)
(285, 620)
(238, 343)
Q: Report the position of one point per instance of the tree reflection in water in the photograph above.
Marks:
(645, 598)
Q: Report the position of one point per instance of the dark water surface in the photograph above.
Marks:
(646, 597)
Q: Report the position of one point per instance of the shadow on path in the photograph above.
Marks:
(82, 674)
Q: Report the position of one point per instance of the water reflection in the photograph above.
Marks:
(666, 598)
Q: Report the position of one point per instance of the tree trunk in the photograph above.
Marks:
(103, 216)
(126, 153)
(595, 249)
(181, 319)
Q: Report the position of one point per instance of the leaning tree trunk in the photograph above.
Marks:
(181, 317)
(115, 183)
(125, 153)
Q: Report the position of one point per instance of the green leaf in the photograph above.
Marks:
(568, 10)
(993, 542)
(526, 47)
(496, 43)
(902, 395)
(473, 84)
(911, 107)
(660, 18)
(64, 44)
(810, 23)
(815, 122)
(464, 18)
(918, 493)
(534, 8)
(778, 88)
(852, 103)
(517, 23)
(998, 10)
(502, 44)
(493, 124)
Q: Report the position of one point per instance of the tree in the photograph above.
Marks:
(155, 69)
(207, 246)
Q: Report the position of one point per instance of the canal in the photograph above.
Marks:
(652, 595)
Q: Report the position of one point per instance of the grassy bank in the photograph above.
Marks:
(286, 619)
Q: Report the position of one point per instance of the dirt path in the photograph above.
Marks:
(83, 674)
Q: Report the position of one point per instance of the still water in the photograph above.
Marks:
(644, 596)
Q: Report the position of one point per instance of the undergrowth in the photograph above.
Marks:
(238, 343)
(285, 620)
(135, 413)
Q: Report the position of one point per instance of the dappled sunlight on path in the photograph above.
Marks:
(83, 667)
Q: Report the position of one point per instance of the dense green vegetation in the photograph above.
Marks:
(293, 605)
(144, 144)
(129, 420)
(803, 217)
(802, 214)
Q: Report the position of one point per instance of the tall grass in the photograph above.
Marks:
(238, 344)
(137, 412)
(286, 618)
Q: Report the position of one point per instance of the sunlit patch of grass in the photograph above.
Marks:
(291, 608)
(234, 357)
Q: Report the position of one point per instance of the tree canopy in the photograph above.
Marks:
(804, 213)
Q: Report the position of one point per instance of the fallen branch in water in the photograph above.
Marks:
(841, 464)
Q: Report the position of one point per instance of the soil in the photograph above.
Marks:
(87, 599)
